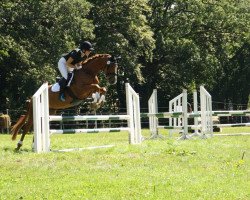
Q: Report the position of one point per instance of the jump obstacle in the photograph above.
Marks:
(178, 115)
(42, 119)
(178, 118)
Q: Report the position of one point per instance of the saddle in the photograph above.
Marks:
(56, 86)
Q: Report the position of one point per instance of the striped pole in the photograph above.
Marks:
(93, 130)
(232, 125)
(231, 113)
(84, 118)
(232, 134)
(163, 114)
(198, 114)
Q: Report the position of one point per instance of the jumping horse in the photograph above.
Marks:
(85, 82)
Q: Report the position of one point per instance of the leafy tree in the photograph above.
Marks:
(234, 85)
(194, 41)
(33, 36)
(121, 28)
(164, 44)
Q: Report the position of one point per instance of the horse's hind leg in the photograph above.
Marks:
(26, 129)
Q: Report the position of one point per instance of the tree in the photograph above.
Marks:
(164, 44)
(121, 28)
(33, 36)
(194, 41)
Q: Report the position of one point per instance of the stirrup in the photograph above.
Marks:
(62, 97)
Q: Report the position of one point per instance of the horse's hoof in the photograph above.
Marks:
(18, 146)
(17, 149)
(103, 90)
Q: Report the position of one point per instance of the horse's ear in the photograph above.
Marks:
(118, 57)
(115, 58)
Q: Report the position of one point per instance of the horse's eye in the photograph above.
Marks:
(108, 62)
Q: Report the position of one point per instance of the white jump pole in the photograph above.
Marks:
(153, 120)
(133, 110)
(41, 119)
(175, 105)
(206, 113)
(195, 112)
(177, 109)
(153, 108)
(184, 117)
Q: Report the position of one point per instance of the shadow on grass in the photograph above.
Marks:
(13, 150)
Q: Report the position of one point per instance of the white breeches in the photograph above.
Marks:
(64, 70)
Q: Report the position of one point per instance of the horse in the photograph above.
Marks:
(5, 122)
(85, 82)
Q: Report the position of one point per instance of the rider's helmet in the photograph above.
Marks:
(87, 46)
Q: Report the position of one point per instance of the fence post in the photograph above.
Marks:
(195, 111)
(41, 119)
(133, 110)
(184, 116)
(206, 112)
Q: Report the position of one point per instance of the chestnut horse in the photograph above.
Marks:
(84, 84)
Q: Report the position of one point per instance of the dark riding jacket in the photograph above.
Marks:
(76, 54)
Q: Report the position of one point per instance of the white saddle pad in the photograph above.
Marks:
(55, 87)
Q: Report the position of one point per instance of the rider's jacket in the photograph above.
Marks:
(76, 54)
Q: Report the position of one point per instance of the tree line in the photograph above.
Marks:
(165, 44)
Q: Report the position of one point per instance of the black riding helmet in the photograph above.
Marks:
(87, 46)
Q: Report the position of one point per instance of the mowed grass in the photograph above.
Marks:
(216, 168)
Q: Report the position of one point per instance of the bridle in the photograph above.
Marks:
(110, 63)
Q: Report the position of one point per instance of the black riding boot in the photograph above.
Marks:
(63, 83)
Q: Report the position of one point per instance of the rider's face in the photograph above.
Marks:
(87, 52)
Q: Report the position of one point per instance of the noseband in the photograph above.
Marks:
(108, 65)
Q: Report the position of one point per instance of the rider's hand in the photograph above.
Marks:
(79, 67)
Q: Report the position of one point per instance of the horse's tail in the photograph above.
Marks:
(21, 121)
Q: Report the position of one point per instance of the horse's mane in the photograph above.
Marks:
(88, 60)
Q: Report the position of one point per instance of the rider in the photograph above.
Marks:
(69, 62)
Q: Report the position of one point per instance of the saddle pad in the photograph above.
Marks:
(55, 87)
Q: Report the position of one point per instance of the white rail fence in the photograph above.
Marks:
(178, 115)
(42, 118)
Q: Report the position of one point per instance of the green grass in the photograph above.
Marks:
(216, 168)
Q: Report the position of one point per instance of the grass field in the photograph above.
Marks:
(213, 169)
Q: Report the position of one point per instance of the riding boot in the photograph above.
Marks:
(69, 78)
(63, 83)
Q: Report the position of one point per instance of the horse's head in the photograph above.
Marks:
(102, 62)
(111, 70)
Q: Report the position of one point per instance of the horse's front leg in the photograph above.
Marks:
(98, 88)
(88, 90)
